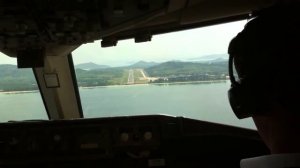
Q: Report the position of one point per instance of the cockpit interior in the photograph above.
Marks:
(41, 35)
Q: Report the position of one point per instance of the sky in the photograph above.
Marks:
(182, 45)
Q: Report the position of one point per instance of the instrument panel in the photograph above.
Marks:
(138, 141)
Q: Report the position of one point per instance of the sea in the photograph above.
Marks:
(206, 101)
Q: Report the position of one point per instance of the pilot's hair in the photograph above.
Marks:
(266, 53)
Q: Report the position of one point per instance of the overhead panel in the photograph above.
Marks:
(48, 25)
(45, 25)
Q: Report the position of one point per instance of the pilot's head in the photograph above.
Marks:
(266, 88)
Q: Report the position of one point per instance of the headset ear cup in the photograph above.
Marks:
(245, 100)
(234, 100)
(240, 101)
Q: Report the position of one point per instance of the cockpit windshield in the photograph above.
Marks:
(180, 74)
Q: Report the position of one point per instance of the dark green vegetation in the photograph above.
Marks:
(101, 77)
(13, 79)
(187, 68)
(188, 71)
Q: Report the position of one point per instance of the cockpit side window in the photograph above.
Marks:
(19, 94)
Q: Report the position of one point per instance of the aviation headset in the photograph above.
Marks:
(246, 95)
(238, 94)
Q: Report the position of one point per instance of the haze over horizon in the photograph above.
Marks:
(181, 46)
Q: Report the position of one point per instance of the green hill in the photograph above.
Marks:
(187, 68)
(143, 64)
(90, 66)
(14, 79)
(188, 71)
(100, 77)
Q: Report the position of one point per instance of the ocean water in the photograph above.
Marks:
(203, 101)
(21, 106)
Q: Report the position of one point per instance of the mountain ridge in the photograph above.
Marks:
(143, 64)
(210, 58)
(91, 66)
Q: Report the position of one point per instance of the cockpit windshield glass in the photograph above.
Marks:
(180, 74)
(19, 96)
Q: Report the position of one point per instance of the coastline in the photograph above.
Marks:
(92, 87)
(191, 82)
(146, 84)
(18, 91)
(131, 85)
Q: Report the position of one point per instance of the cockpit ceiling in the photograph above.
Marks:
(56, 26)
